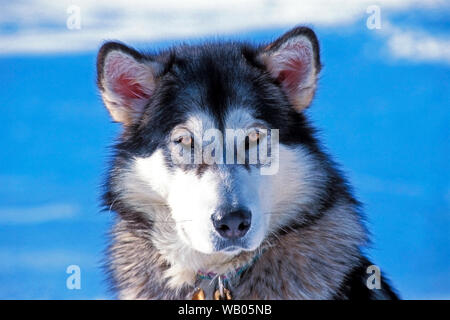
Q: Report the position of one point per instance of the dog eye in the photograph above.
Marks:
(184, 140)
(253, 136)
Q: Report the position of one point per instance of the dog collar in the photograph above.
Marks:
(222, 293)
(202, 275)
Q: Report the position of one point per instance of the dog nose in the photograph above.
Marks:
(233, 225)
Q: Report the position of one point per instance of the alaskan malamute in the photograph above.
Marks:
(220, 186)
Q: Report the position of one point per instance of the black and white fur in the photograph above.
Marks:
(306, 227)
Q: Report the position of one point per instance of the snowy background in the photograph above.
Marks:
(382, 107)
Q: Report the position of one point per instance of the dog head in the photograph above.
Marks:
(215, 143)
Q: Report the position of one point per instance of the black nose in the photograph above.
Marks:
(234, 224)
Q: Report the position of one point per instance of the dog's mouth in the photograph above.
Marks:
(232, 249)
(230, 246)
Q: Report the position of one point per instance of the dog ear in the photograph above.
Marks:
(294, 60)
(126, 80)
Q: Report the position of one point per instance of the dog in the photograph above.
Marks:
(193, 226)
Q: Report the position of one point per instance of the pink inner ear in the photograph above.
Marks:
(129, 88)
(294, 66)
(123, 73)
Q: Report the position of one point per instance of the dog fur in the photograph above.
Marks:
(307, 232)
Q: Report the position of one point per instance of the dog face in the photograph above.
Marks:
(215, 150)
